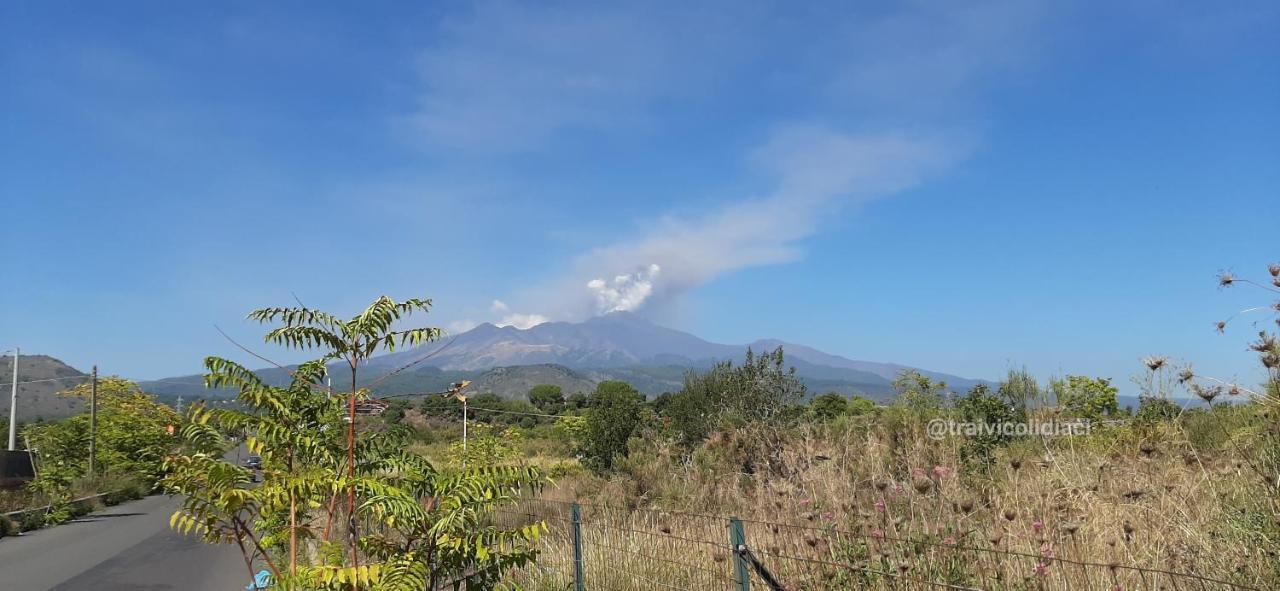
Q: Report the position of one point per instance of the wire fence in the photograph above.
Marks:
(602, 548)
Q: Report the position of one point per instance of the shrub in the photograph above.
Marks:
(828, 406)
(1086, 397)
(612, 418)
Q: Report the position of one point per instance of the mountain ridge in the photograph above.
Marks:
(507, 361)
(612, 342)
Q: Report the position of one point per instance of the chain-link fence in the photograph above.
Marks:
(601, 548)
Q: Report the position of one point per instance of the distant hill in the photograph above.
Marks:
(577, 355)
(40, 378)
(654, 357)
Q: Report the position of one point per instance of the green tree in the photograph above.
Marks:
(919, 392)
(441, 407)
(434, 525)
(612, 417)
(482, 408)
(571, 432)
(762, 389)
(860, 406)
(547, 397)
(577, 401)
(690, 413)
(981, 407)
(829, 406)
(353, 341)
(1086, 397)
(487, 446)
(1020, 391)
(395, 411)
(132, 435)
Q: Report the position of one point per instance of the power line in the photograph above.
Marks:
(46, 380)
(473, 408)
(514, 412)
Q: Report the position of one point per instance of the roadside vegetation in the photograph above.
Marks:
(133, 440)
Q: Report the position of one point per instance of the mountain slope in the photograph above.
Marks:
(508, 361)
(613, 340)
(623, 344)
(45, 376)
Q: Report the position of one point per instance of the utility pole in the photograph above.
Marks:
(13, 406)
(93, 422)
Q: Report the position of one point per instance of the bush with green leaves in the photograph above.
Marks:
(570, 431)
(486, 446)
(981, 407)
(132, 436)
(426, 526)
(828, 406)
(548, 398)
(1085, 397)
(761, 389)
(613, 415)
(918, 393)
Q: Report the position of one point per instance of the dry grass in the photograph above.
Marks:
(865, 506)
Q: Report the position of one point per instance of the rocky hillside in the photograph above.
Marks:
(40, 378)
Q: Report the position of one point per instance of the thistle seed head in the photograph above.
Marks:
(1206, 394)
(1155, 362)
(1147, 448)
(1186, 375)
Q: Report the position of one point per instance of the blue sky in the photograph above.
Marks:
(958, 186)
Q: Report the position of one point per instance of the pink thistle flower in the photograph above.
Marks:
(806, 502)
(1037, 525)
(942, 472)
(1046, 550)
(880, 505)
(897, 487)
(950, 541)
(917, 471)
(877, 534)
(1041, 569)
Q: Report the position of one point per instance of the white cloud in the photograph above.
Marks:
(501, 315)
(508, 318)
(522, 321)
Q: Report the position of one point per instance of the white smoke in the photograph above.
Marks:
(625, 293)
(516, 319)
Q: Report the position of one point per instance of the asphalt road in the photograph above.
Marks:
(129, 546)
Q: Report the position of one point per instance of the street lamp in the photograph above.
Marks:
(455, 390)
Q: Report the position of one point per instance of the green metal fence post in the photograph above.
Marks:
(738, 542)
(576, 513)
